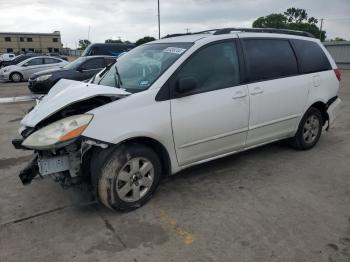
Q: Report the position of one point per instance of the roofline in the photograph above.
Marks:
(228, 30)
(56, 33)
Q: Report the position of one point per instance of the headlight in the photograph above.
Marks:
(60, 131)
(43, 77)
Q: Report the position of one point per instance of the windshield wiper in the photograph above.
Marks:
(119, 83)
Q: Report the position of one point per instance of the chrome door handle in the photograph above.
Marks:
(239, 94)
(256, 90)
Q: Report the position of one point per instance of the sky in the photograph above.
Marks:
(133, 19)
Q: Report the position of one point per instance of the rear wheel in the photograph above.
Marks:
(16, 77)
(309, 130)
(128, 177)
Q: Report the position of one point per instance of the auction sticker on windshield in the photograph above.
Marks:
(174, 50)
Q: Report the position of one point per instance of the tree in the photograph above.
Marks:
(113, 41)
(292, 19)
(337, 38)
(144, 40)
(83, 43)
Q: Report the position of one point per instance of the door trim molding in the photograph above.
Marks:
(274, 121)
(213, 138)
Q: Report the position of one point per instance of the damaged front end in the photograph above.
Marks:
(54, 128)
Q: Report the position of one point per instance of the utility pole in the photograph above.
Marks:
(89, 33)
(187, 30)
(158, 21)
(321, 29)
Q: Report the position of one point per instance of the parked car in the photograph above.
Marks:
(111, 49)
(179, 102)
(17, 59)
(7, 57)
(26, 68)
(83, 68)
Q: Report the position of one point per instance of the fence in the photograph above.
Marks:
(340, 51)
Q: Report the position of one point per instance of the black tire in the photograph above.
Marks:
(106, 174)
(16, 77)
(304, 139)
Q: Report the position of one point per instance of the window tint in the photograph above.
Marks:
(311, 57)
(94, 64)
(51, 61)
(214, 67)
(35, 61)
(269, 59)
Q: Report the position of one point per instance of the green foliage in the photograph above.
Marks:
(113, 41)
(83, 43)
(337, 38)
(144, 40)
(292, 19)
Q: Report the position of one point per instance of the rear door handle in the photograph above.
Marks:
(256, 90)
(239, 94)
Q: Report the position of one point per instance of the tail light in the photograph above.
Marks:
(337, 74)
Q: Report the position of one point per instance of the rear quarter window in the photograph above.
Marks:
(269, 59)
(311, 57)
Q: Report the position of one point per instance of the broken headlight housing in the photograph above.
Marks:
(60, 131)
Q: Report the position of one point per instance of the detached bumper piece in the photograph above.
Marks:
(30, 171)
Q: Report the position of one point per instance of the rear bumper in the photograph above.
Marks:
(41, 87)
(333, 111)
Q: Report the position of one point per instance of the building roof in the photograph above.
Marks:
(55, 33)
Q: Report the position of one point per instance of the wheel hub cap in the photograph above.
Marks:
(311, 129)
(134, 179)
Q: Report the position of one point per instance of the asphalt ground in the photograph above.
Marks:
(268, 204)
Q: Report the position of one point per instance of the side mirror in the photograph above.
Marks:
(26, 64)
(186, 84)
(80, 69)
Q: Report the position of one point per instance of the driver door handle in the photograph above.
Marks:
(239, 94)
(256, 90)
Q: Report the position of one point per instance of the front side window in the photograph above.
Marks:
(311, 56)
(269, 59)
(213, 67)
(137, 69)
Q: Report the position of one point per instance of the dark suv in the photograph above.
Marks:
(83, 68)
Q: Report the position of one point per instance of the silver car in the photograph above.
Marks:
(26, 68)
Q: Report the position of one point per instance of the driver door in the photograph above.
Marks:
(211, 119)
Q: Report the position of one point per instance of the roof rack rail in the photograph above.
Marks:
(263, 30)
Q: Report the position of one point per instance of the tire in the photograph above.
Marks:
(127, 177)
(309, 130)
(16, 77)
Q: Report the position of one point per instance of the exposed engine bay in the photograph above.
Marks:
(62, 160)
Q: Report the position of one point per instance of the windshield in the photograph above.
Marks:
(75, 64)
(137, 69)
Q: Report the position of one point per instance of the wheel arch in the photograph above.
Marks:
(320, 105)
(156, 146)
(16, 72)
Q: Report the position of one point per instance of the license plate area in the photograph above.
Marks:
(53, 165)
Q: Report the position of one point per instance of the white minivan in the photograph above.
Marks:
(178, 102)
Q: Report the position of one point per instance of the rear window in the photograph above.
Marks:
(269, 59)
(311, 57)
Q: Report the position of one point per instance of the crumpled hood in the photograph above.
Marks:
(65, 93)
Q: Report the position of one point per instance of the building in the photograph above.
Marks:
(340, 51)
(12, 42)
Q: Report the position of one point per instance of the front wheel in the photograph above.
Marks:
(309, 130)
(16, 77)
(128, 177)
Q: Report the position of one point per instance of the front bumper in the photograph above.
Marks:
(333, 111)
(4, 76)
